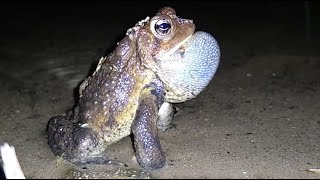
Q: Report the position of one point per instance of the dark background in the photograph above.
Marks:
(229, 21)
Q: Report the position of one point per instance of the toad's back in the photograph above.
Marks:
(109, 98)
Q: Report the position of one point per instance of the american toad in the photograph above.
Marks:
(161, 60)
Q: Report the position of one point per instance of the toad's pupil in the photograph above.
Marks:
(165, 26)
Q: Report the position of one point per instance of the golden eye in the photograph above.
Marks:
(162, 27)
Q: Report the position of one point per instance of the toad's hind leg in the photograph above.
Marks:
(69, 139)
(75, 142)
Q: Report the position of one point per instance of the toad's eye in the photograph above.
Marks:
(162, 27)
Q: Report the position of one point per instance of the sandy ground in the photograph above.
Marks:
(258, 118)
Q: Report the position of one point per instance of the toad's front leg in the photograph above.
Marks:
(144, 128)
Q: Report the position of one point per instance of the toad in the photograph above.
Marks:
(161, 60)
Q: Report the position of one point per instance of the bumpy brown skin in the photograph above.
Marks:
(122, 96)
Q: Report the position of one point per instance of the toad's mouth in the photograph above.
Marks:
(173, 50)
(189, 66)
